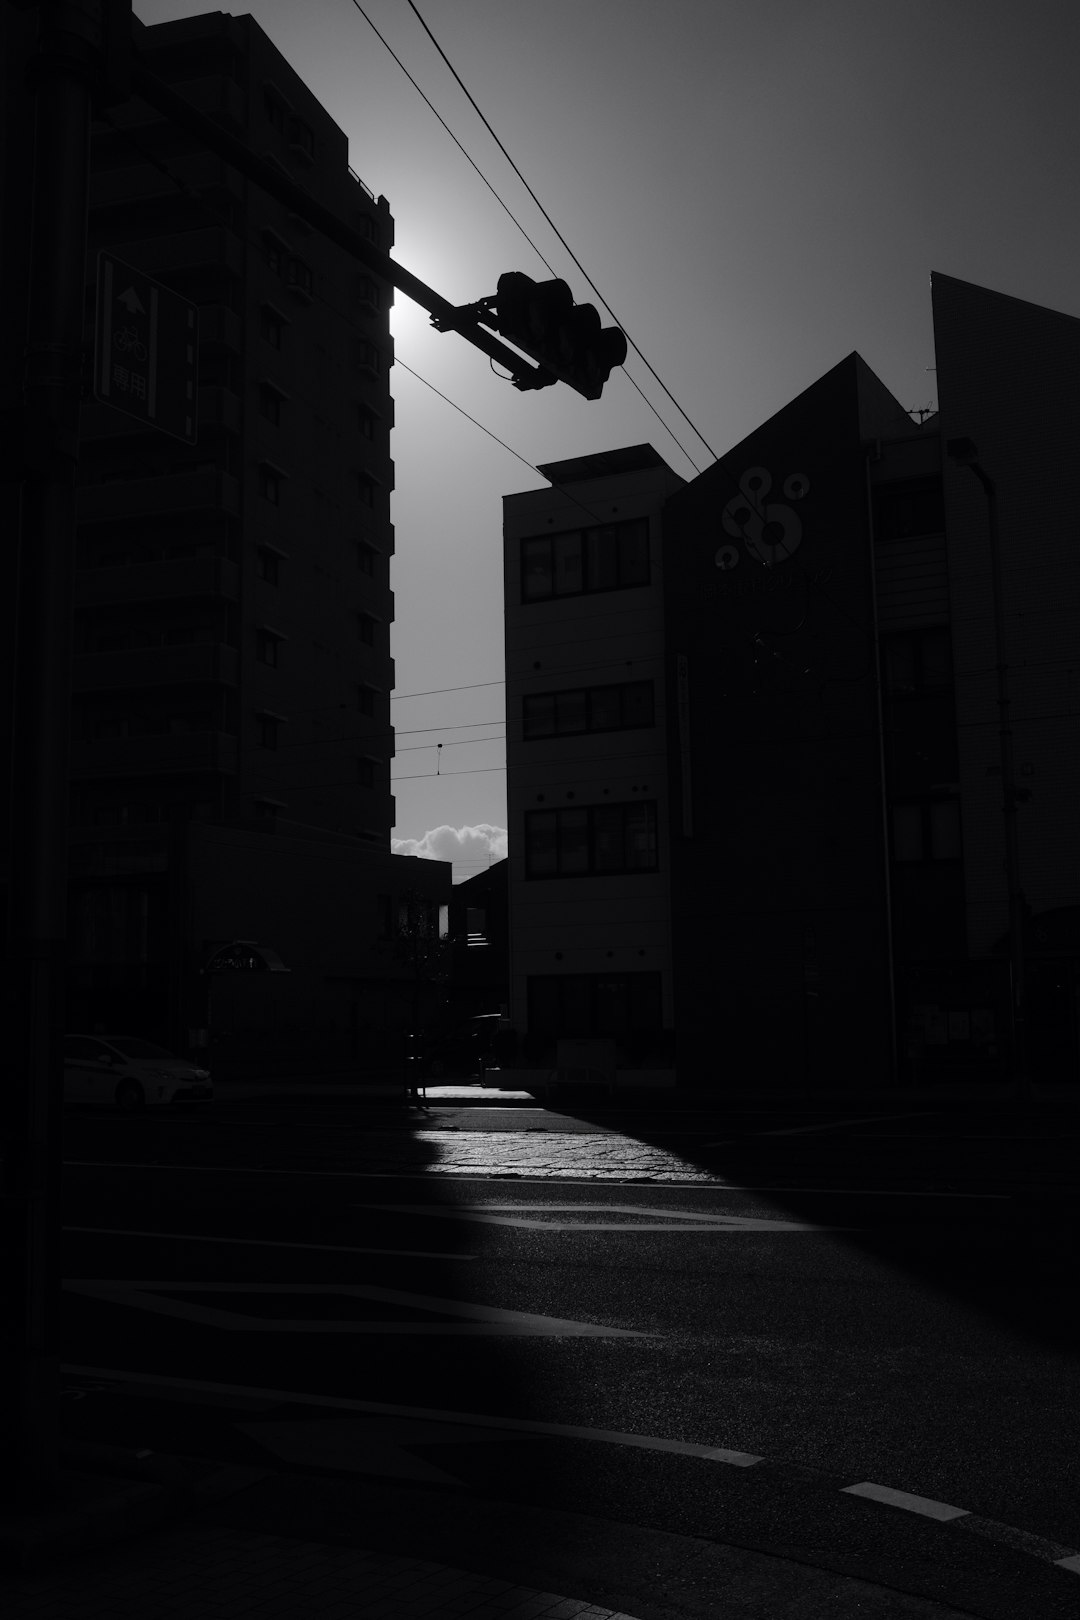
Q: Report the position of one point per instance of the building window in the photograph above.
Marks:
(270, 403)
(269, 565)
(365, 699)
(365, 771)
(267, 643)
(612, 556)
(366, 488)
(367, 356)
(298, 278)
(367, 294)
(906, 511)
(926, 831)
(269, 728)
(594, 1004)
(624, 707)
(277, 114)
(917, 662)
(270, 480)
(384, 911)
(366, 626)
(365, 558)
(266, 812)
(302, 138)
(366, 419)
(591, 840)
(275, 253)
(271, 326)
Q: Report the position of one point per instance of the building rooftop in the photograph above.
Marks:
(604, 464)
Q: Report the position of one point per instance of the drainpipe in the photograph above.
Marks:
(873, 453)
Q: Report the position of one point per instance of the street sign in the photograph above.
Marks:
(146, 349)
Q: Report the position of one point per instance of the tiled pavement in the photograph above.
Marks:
(217, 1572)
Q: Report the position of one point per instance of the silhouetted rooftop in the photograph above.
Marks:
(604, 464)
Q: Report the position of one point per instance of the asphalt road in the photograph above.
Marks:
(823, 1332)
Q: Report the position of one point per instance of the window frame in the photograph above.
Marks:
(563, 840)
(575, 554)
(623, 688)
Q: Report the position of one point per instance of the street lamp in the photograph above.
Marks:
(965, 453)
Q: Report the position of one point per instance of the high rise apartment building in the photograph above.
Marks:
(233, 601)
(230, 721)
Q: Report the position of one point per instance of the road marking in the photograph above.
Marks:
(264, 1243)
(904, 1499)
(565, 1431)
(480, 1320)
(459, 1425)
(520, 1180)
(674, 1220)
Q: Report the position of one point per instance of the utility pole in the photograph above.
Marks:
(965, 453)
(62, 74)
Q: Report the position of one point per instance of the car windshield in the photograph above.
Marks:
(134, 1047)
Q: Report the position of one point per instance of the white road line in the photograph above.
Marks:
(480, 1321)
(1039, 1547)
(675, 1220)
(566, 1431)
(523, 1180)
(264, 1243)
(904, 1499)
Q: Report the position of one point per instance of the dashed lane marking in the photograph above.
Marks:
(523, 1179)
(671, 1220)
(473, 1321)
(263, 1243)
(904, 1499)
(1066, 1558)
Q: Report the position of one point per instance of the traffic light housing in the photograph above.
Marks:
(564, 338)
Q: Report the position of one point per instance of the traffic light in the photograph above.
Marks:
(565, 338)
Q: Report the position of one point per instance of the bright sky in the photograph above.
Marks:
(756, 187)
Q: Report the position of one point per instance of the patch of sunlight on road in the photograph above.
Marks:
(551, 1153)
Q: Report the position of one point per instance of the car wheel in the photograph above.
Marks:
(129, 1097)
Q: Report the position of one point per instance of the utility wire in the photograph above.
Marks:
(561, 237)
(451, 134)
(384, 42)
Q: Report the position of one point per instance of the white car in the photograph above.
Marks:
(129, 1073)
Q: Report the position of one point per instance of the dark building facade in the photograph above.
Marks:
(831, 847)
(230, 724)
(479, 930)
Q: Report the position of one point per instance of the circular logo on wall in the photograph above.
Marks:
(771, 530)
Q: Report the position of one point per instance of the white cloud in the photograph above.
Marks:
(470, 848)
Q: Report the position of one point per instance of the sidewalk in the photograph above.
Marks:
(212, 1541)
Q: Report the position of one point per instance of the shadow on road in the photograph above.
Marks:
(995, 1224)
(272, 1289)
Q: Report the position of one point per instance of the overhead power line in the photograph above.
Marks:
(562, 239)
(387, 46)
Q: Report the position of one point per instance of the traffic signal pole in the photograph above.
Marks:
(35, 981)
(446, 316)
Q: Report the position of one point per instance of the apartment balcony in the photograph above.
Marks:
(172, 753)
(218, 407)
(196, 663)
(170, 580)
(209, 491)
(222, 327)
(211, 249)
(138, 182)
